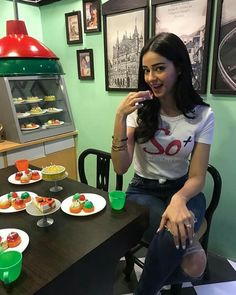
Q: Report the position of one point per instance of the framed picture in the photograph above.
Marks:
(125, 25)
(190, 20)
(92, 16)
(224, 58)
(85, 64)
(73, 27)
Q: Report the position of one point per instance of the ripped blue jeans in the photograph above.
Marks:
(162, 263)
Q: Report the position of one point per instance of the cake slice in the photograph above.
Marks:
(44, 204)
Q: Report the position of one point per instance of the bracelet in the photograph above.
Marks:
(117, 148)
(115, 139)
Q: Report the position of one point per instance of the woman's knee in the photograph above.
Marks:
(194, 262)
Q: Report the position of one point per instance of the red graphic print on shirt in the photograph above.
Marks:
(172, 148)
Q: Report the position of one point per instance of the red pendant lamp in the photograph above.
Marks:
(21, 54)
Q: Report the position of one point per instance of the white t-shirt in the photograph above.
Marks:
(166, 155)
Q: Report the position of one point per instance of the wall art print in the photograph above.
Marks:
(85, 64)
(190, 20)
(73, 27)
(92, 16)
(125, 33)
(224, 57)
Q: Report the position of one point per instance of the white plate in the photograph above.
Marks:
(24, 238)
(39, 113)
(33, 210)
(55, 110)
(98, 201)
(31, 128)
(33, 100)
(23, 115)
(12, 209)
(53, 125)
(12, 180)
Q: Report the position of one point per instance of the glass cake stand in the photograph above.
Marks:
(56, 188)
(45, 221)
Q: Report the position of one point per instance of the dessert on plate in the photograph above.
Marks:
(13, 239)
(3, 244)
(44, 204)
(79, 203)
(18, 203)
(25, 197)
(35, 175)
(88, 206)
(5, 203)
(53, 172)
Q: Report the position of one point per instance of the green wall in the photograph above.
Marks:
(94, 108)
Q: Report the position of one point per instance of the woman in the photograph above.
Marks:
(166, 129)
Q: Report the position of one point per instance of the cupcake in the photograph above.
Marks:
(88, 206)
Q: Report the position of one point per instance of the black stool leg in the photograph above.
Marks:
(129, 267)
(176, 289)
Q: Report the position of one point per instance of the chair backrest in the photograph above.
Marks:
(102, 169)
(213, 203)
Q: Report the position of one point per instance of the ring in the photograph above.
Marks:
(188, 225)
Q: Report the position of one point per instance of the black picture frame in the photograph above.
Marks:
(92, 16)
(125, 26)
(191, 21)
(73, 27)
(224, 59)
(85, 64)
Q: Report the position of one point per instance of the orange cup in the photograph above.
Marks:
(22, 165)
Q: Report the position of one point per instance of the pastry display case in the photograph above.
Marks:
(34, 107)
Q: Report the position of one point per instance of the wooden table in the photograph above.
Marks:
(75, 255)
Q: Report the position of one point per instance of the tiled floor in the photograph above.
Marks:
(221, 281)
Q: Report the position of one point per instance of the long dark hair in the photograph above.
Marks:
(186, 98)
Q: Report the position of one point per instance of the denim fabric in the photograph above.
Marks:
(163, 259)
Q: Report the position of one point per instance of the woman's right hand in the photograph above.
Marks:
(133, 101)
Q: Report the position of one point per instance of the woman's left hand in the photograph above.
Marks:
(179, 221)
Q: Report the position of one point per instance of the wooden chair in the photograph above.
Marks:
(202, 234)
(103, 160)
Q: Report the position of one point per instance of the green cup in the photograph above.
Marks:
(117, 199)
(10, 266)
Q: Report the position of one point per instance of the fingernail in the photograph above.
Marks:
(183, 247)
(158, 230)
(177, 247)
(191, 242)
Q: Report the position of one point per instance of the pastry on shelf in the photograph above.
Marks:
(32, 98)
(18, 100)
(36, 110)
(44, 204)
(53, 172)
(53, 122)
(29, 126)
(49, 98)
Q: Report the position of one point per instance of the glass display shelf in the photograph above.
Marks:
(35, 107)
